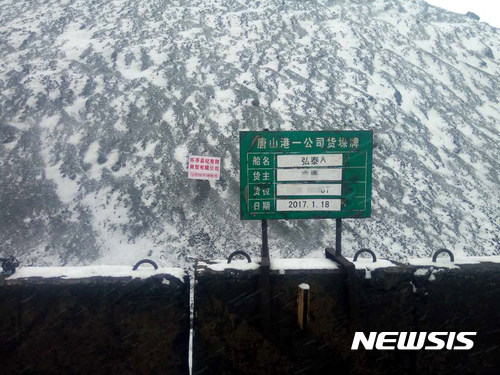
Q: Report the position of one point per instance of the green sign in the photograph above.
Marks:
(305, 174)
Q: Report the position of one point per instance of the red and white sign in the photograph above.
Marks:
(204, 168)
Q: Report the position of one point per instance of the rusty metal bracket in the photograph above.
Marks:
(359, 252)
(145, 261)
(351, 275)
(238, 252)
(352, 291)
(434, 258)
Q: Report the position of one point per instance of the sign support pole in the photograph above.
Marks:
(338, 237)
(265, 283)
(351, 276)
(305, 175)
(264, 253)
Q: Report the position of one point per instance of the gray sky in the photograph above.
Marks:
(488, 10)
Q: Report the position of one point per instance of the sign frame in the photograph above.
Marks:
(356, 172)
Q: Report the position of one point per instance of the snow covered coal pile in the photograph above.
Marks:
(101, 102)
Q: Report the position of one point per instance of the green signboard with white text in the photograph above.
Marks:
(305, 174)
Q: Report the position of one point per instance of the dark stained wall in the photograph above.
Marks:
(230, 338)
(94, 326)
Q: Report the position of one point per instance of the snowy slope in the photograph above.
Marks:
(102, 101)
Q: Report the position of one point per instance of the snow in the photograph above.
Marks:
(75, 138)
(303, 264)
(222, 265)
(50, 122)
(143, 272)
(146, 84)
(92, 153)
(146, 151)
(444, 261)
(364, 261)
(368, 274)
(421, 272)
(181, 154)
(367, 263)
(74, 40)
(276, 264)
(282, 265)
(66, 188)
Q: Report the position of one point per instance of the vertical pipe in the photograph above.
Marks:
(265, 245)
(265, 282)
(338, 237)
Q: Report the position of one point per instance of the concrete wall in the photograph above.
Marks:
(230, 338)
(104, 325)
(462, 299)
(94, 326)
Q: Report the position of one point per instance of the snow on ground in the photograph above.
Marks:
(102, 102)
(444, 262)
(142, 272)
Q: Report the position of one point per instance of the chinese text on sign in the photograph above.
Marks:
(305, 174)
(204, 168)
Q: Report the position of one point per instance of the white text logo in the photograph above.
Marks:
(413, 340)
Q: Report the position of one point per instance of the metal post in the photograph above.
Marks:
(338, 237)
(336, 255)
(265, 245)
(265, 282)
